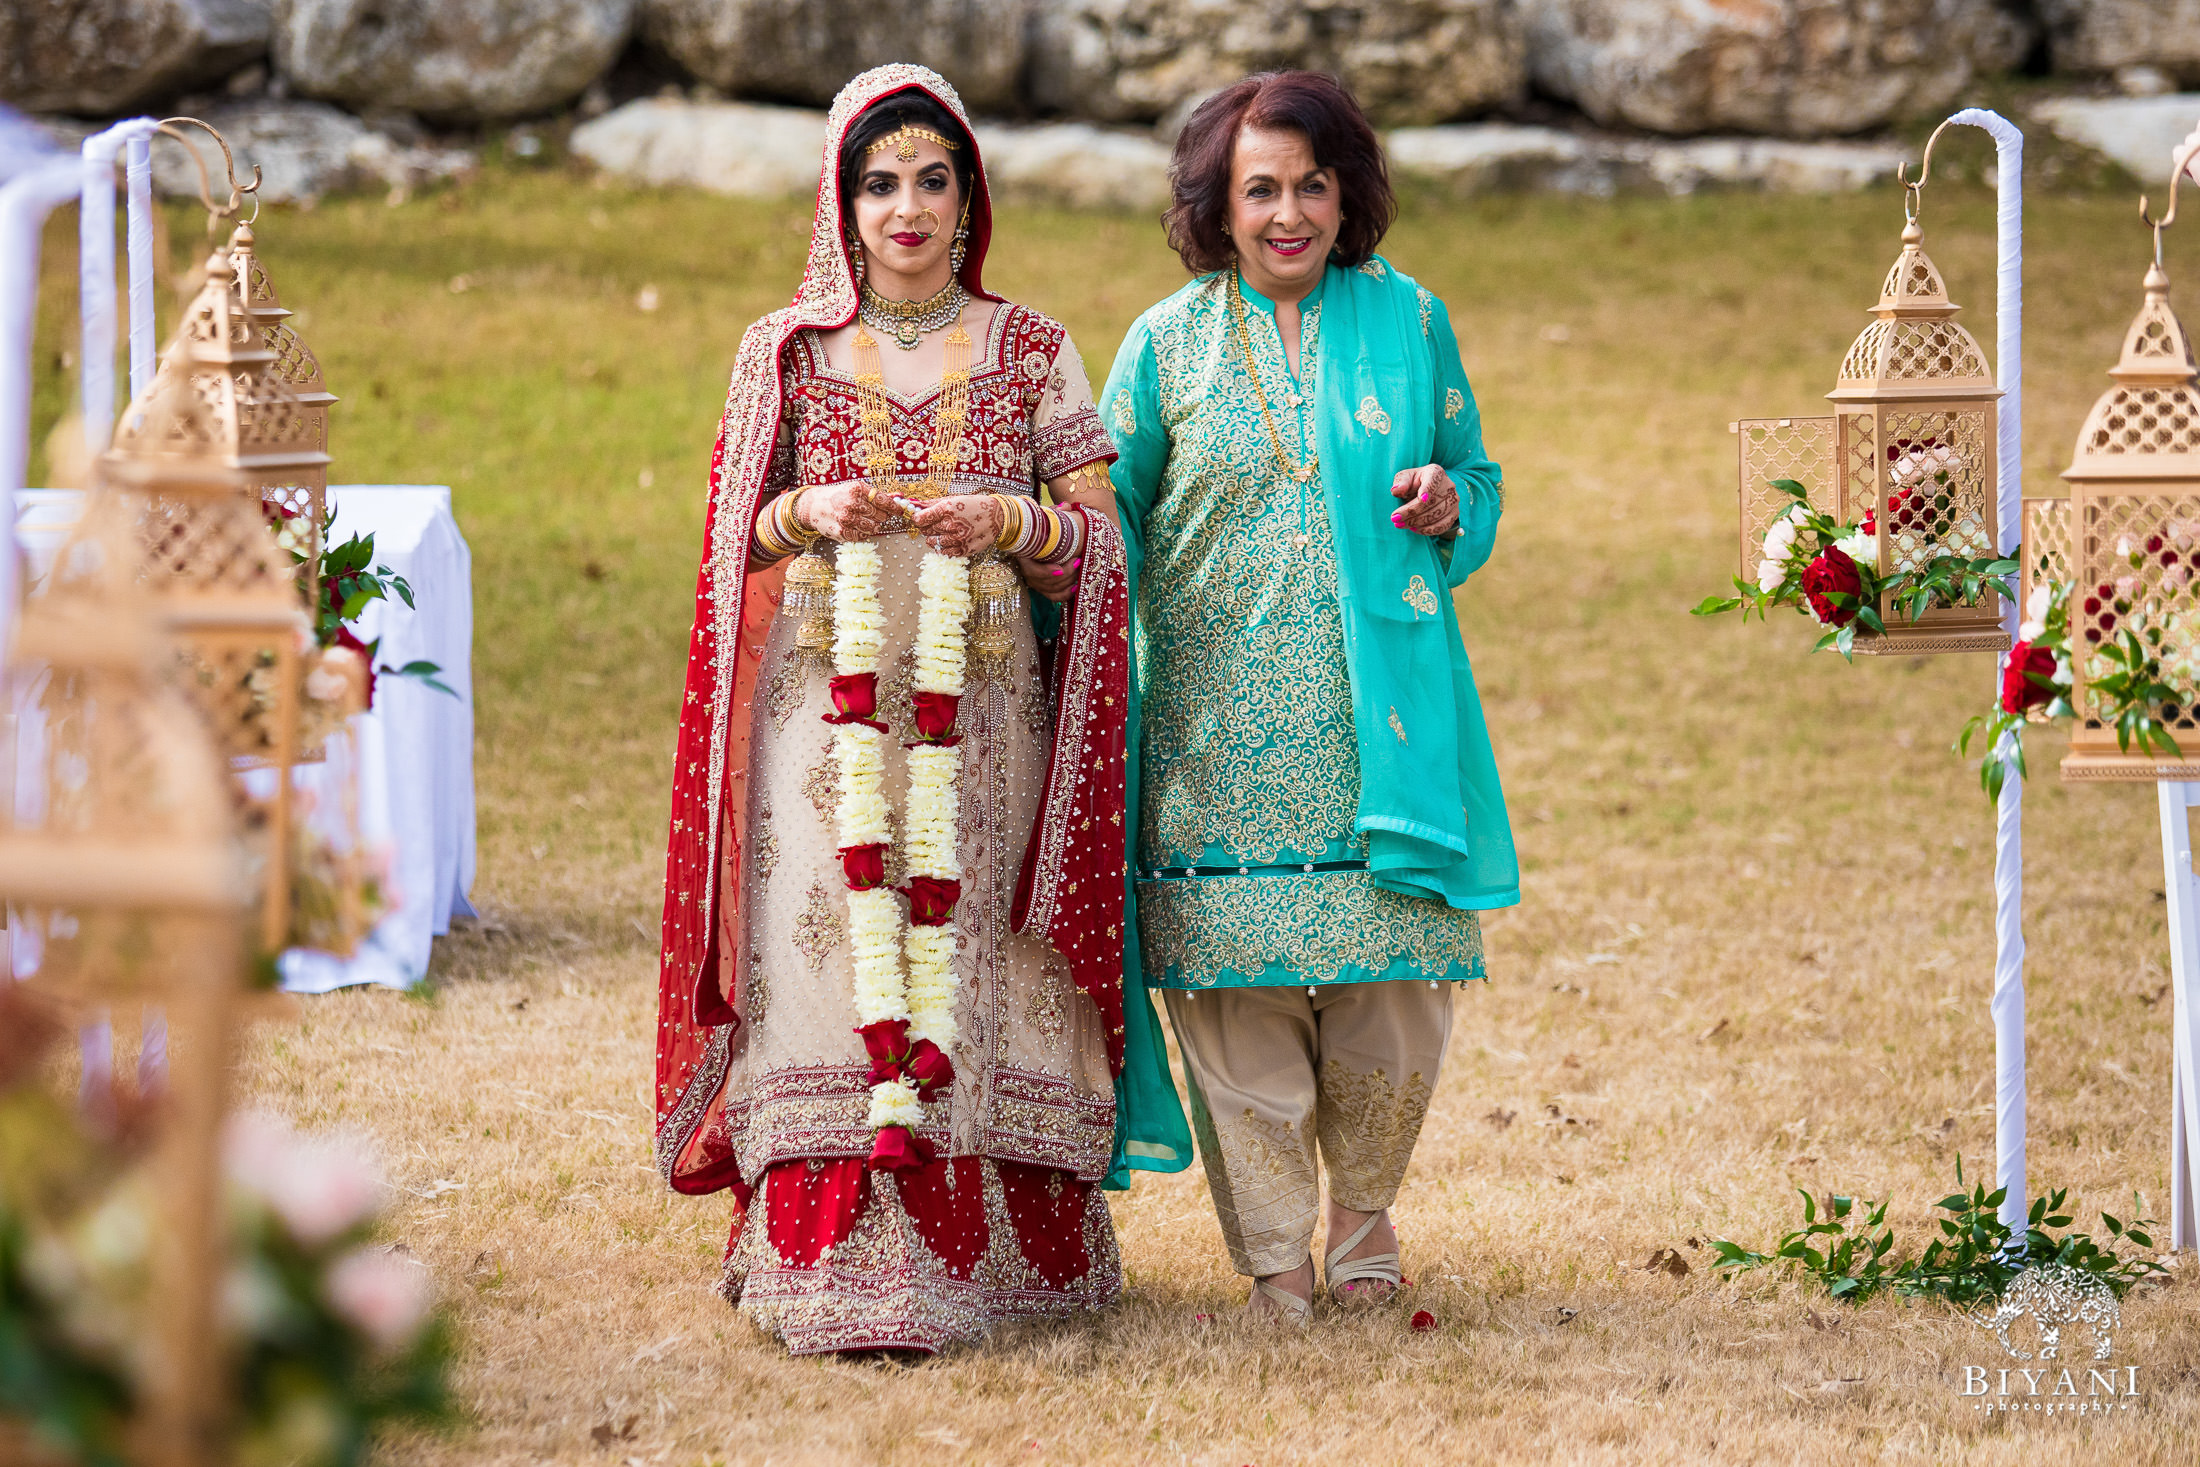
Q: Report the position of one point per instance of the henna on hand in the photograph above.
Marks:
(961, 524)
(1432, 501)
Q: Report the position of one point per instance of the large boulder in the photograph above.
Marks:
(1408, 61)
(98, 57)
(1793, 68)
(803, 51)
(1496, 157)
(2095, 36)
(725, 147)
(2144, 134)
(302, 149)
(449, 60)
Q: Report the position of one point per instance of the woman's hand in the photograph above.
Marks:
(961, 524)
(1056, 583)
(850, 513)
(1432, 501)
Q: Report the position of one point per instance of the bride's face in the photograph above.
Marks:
(905, 211)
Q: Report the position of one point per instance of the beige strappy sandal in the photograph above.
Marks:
(1343, 1277)
(1293, 1310)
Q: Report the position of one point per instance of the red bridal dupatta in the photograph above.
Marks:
(1070, 888)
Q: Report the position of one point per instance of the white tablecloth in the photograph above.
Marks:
(416, 747)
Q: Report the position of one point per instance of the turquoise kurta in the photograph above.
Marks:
(1269, 647)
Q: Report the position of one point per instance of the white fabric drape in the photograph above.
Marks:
(414, 751)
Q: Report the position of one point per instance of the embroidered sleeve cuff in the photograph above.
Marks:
(1070, 443)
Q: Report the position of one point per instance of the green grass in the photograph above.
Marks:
(1756, 943)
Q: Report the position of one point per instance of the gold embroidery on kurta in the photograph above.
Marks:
(1397, 727)
(1322, 926)
(1455, 403)
(1126, 415)
(764, 841)
(1371, 415)
(1373, 268)
(819, 929)
(1423, 601)
(1248, 704)
(783, 694)
(1427, 302)
(821, 785)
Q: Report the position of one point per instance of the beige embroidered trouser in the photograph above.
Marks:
(1274, 1070)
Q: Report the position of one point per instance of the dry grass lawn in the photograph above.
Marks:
(1754, 954)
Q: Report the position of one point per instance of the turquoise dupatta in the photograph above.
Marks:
(1430, 801)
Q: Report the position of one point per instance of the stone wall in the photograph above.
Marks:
(1684, 68)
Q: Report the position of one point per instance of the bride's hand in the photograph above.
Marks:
(961, 524)
(848, 513)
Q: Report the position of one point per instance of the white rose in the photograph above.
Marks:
(2031, 631)
(2042, 597)
(1771, 575)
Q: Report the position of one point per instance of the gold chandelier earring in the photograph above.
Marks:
(961, 247)
(855, 255)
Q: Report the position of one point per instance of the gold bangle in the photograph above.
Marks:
(1012, 523)
(797, 532)
(1053, 537)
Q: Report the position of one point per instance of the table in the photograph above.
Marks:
(416, 762)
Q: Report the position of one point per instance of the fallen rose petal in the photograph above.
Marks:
(1423, 1320)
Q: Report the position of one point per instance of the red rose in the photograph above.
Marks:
(930, 1067)
(935, 714)
(864, 866)
(899, 1149)
(2019, 693)
(1832, 574)
(932, 900)
(1869, 526)
(886, 1042)
(1423, 1320)
(855, 697)
(344, 638)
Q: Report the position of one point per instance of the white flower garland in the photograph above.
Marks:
(877, 943)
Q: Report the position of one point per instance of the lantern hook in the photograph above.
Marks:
(2184, 160)
(237, 191)
(1924, 170)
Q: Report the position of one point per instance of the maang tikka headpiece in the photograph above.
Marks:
(903, 140)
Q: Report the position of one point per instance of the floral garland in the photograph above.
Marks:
(907, 1021)
(1830, 571)
(2125, 674)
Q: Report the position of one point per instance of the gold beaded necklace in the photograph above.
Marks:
(1291, 467)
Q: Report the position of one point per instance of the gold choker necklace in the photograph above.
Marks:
(907, 321)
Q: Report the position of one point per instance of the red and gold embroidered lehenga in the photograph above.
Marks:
(761, 1077)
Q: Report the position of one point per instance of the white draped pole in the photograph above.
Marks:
(137, 168)
(25, 202)
(2008, 1001)
(96, 270)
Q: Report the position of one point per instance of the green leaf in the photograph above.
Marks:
(1709, 606)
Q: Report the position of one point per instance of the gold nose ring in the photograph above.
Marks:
(935, 229)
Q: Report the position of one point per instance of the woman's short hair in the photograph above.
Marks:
(1317, 108)
(889, 114)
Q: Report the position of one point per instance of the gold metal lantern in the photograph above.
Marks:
(294, 488)
(214, 423)
(1911, 441)
(2134, 514)
(124, 887)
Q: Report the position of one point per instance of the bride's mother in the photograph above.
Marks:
(1319, 821)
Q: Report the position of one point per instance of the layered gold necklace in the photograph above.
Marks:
(880, 461)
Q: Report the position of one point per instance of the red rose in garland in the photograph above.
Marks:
(1833, 574)
(2019, 693)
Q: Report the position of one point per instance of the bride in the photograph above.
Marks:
(891, 1009)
